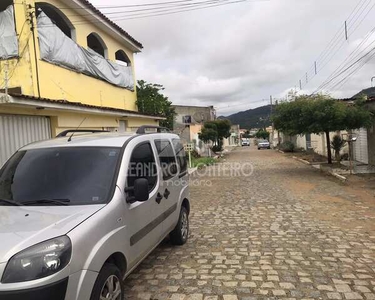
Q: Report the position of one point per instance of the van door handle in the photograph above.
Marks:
(166, 193)
(158, 198)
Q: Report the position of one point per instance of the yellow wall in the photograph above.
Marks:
(133, 123)
(60, 83)
(63, 120)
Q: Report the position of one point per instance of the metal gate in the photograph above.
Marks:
(360, 146)
(17, 131)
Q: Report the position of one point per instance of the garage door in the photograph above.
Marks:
(17, 131)
(360, 146)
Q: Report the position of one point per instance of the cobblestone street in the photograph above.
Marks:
(285, 232)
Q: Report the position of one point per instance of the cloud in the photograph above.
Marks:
(235, 56)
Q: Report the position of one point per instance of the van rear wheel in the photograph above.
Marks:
(109, 284)
(180, 234)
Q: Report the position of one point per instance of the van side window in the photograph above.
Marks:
(142, 165)
(167, 158)
(181, 155)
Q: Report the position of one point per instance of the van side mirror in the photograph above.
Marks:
(141, 192)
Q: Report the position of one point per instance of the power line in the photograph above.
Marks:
(174, 10)
(348, 68)
(124, 6)
(152, 9)
(332, 43)
(326, 55)
(169, 12)
(242, 104)
(356, 52)
(359, 24)
(353, 53)
(344, 80)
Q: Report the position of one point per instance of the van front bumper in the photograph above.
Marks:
(55, 291)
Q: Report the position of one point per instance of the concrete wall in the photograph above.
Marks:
(371, 138)
(318, 143)
(371, 145)
(199, 115)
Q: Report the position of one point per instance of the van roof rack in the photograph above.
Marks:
(66, 132)
(142, 129)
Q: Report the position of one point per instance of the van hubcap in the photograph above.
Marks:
(111, 289)
(184, 225)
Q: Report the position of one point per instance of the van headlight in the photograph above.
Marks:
(39, 261)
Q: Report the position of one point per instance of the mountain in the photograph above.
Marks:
(252, 118)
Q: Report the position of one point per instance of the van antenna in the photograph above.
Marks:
(79, 126)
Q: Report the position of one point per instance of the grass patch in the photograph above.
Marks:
(202, 161)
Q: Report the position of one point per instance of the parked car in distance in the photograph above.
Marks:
(245, 142)
(263, 144)
(82, 212)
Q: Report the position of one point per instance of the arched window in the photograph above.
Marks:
(57, 17)
(122, 58)
(4, 4)
(95, 42)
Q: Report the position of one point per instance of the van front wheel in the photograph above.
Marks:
(180, 234)
(109, 284)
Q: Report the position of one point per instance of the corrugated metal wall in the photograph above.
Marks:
(17, 131)
(360, 146)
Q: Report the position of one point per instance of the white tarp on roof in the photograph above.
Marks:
(8, 35)
(57, 48)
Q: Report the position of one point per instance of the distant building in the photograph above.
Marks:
(235, 136)
(189, 122)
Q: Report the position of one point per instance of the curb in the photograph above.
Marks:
(302, 160)
(192, 171)
(342, 178)
(338, 176)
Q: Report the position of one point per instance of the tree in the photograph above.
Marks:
(246, 135)
(208, 133)
(215, 131)
(150, 100)
(262, 134)
(320, 113)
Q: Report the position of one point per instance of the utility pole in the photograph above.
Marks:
(271, 142)
(32, 28)
(346, 31)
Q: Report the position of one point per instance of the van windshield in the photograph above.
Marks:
(59, 176)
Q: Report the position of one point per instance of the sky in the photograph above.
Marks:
(236, 56)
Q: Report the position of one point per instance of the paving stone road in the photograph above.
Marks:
(285, 232)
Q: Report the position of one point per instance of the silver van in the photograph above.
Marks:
(79, 213)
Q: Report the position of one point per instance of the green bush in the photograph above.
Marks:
(287, 146)
(203, 161)
(195, 154)
(337, 144)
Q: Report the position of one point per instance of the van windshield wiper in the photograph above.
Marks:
(10, 202)
(48, 201)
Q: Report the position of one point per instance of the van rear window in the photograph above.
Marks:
(167, 158)
(181, 155)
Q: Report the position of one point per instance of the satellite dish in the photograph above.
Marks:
(201, 117)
